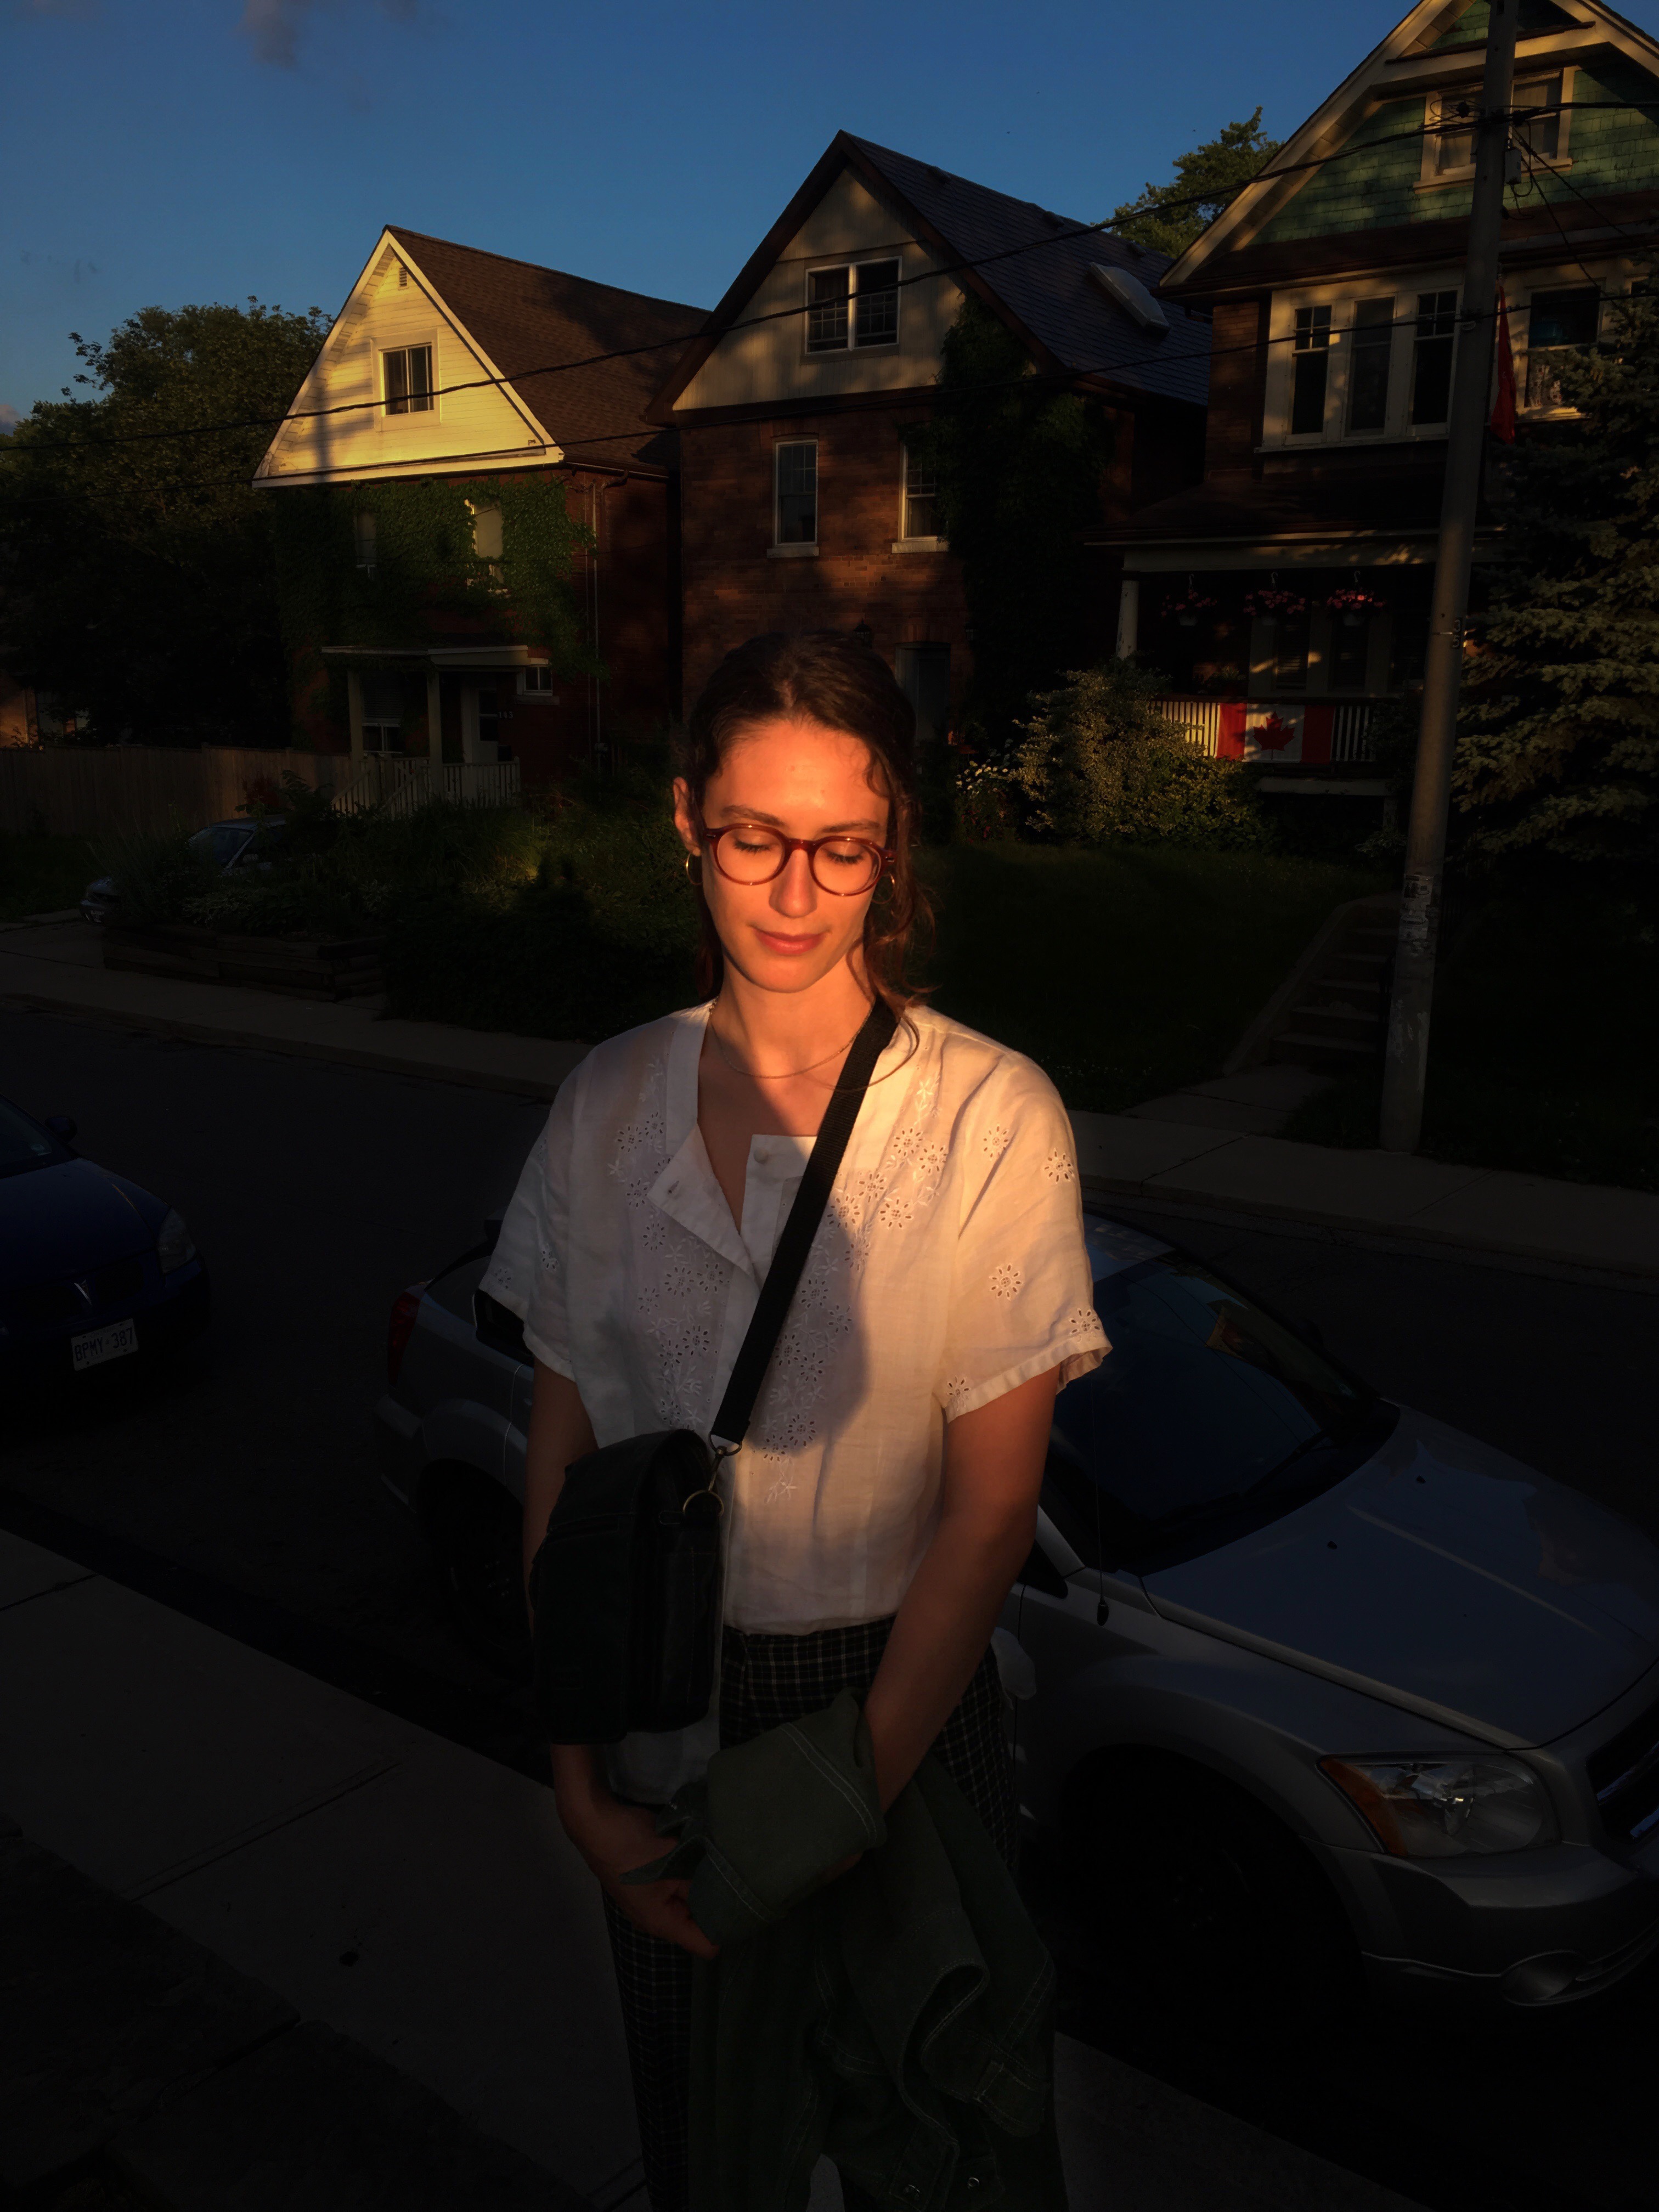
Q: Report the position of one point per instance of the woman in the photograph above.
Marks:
(886, 1495)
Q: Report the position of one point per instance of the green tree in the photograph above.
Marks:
(1098, 761)
(1216, 171)
(1019, 468)
(1559, 743)
(137, 579)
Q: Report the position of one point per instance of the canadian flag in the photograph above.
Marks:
(1278, 733)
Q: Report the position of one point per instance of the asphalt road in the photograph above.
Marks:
(241, 1486)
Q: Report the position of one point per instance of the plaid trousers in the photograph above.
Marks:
(764, 1681)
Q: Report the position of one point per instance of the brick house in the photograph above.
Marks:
(801, 508)
(458, 354)
(1288, 594)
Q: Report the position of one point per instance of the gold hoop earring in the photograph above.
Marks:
(696, 881)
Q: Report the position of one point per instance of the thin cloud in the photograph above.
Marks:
(273, 26)
(9, 419)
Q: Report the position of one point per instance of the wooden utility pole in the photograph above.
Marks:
(1442, 664)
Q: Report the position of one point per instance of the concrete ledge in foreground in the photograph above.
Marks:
(1530, 1220)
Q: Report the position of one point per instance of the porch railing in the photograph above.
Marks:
(1200, 718)
(400, 786)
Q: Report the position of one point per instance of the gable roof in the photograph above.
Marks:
(1018, 261)
(527, 317)
(1427, 48)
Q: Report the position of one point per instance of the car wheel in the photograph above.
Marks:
(473, 1530)
(1182, 1875)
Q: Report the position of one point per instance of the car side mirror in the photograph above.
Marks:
(64, 1125)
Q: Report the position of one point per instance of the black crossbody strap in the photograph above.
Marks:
(772, 1307)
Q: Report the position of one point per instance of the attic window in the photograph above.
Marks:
(856, 304)
(1128, 293)
(402, 276)
(408, 380)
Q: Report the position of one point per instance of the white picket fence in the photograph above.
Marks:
(400, 786)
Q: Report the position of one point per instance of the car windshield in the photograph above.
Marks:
(1205, 1405)
(221, 843)
(24, 1143)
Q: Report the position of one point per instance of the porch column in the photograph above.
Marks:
(434, 718)
(355, 711)
(1129, 616)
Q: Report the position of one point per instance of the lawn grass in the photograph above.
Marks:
(42, 874)
(1544, 1048)
(1127, 971)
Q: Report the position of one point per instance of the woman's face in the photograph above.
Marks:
(806, 781)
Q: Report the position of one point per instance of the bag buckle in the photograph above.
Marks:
(708, 1495)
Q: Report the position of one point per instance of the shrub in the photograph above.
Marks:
(155, 874)
(1099, 762)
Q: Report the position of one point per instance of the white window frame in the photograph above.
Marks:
(1610, 279)
(906, 542)
(544, 692)
(797, 548)
(1438, 103)
(851, 265)
(1405, 289)
(412, 418)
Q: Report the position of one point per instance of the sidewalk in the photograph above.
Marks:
(56, 968)
(1216, 1163)
(265, 1946)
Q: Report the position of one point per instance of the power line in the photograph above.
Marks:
(1059, 237)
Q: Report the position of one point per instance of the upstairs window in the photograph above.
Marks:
(1311, 370)
(1432, 356)
(408, 373)
(486, 531)
(1558, 323)
(856, 304)
(920, 514)
(1538, 132)
(795, 492)
(363, 533)
(1371, 352)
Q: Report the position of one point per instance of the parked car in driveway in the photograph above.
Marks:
(231, 847)
(94, 1269)
(1302, 1681)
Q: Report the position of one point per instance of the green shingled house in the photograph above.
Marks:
(1287, 594)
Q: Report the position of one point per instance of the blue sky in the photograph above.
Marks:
(167, 151)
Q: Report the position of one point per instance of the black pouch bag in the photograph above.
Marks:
(625, 1591)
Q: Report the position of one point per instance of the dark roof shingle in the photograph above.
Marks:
(1047, 285)
(528, 319)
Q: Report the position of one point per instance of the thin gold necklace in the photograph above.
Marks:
(754, 1075)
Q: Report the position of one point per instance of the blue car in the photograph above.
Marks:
(93, 1269)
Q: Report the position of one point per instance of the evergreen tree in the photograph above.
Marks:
(1217, 171)
(136, 579)
(1558, 744)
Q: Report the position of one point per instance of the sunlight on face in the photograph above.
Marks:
(805, 781)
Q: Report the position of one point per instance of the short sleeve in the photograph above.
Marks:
(529, 1270)
(1022, 1299)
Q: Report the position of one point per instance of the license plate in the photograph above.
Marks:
(94, 1346)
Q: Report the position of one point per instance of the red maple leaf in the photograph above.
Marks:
(1273, 735)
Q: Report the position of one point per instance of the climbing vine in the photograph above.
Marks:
(392, 566)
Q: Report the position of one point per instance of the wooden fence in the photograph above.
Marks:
(92, 790)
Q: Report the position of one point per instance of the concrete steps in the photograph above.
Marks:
(1331, 1013)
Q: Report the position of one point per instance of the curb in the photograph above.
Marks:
(384, 1061)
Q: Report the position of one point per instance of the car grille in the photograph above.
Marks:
(50, 1302)
(1624, 1776)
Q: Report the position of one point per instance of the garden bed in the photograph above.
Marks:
(300, 967)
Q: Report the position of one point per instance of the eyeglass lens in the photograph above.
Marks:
(752, 856)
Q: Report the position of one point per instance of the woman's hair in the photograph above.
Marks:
(829, 678)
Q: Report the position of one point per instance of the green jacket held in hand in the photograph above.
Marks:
(898, 2019)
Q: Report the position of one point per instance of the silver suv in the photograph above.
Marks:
(1306, 1685)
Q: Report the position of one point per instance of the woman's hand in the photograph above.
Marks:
(614, 1839)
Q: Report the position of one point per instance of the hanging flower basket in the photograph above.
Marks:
(1186, 608)
(1275, 605)
(1354, 606)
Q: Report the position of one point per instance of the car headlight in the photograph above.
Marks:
(173, 1244)
(1442, 1808)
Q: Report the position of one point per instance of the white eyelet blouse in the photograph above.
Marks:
(949, 1268)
